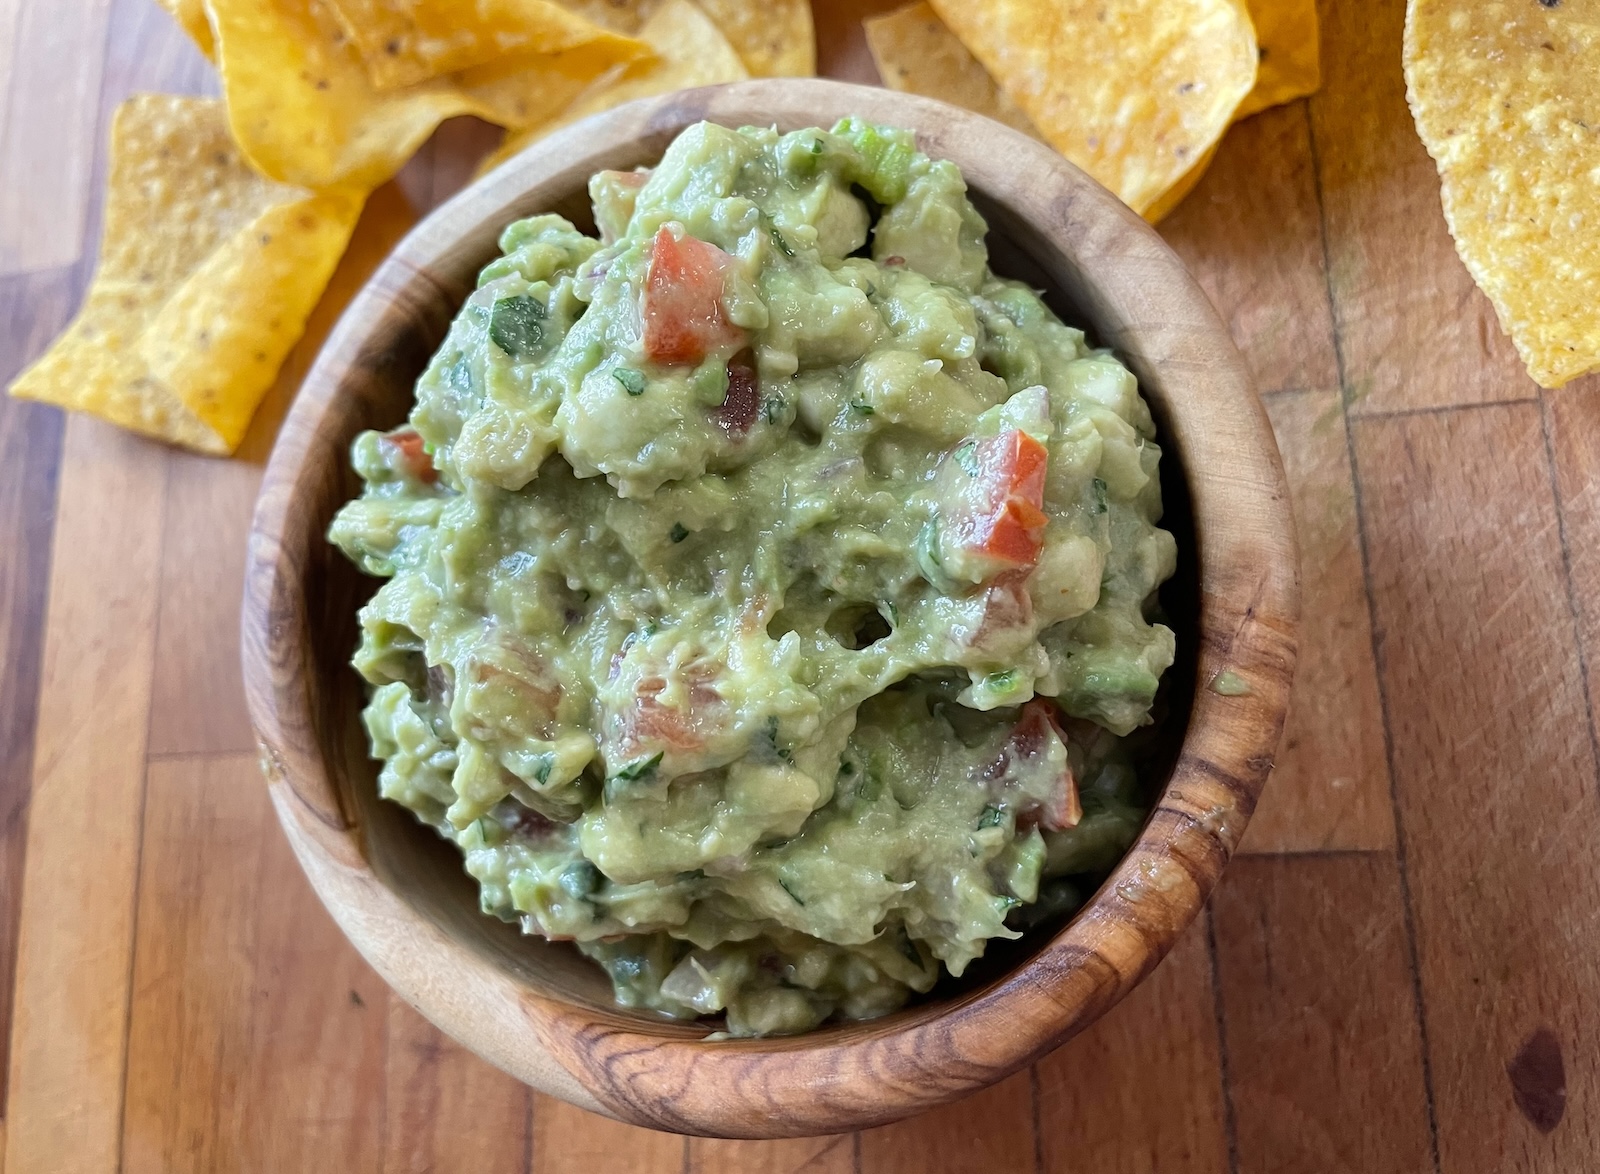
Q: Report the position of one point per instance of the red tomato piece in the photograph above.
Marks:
(1009, 523)
(1040, 718)
(682, 304)
(627, 179)
(414, 458)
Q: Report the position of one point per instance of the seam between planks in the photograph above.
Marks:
(1230, 1124)
(1038, 1134)
(1444, 409)
(138, 861)
(1345, 400)
(1572, 589)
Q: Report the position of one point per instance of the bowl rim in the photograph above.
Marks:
(1144, 304)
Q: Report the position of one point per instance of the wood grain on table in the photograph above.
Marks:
(1400, 973)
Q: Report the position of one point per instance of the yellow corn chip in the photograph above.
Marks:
(774, 38)
(916, 53)
(1134, 92)
(207, 273)
(1506, 97)
(1290, 68)
(403, 42)
(518, 92)
(690, 52)
(301, 105)
(1174, 195)
(191, 14)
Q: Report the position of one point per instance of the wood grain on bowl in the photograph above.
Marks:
(538, 1010)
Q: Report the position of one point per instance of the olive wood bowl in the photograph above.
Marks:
(540, 1011)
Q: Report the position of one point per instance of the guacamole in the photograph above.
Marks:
(768, 583)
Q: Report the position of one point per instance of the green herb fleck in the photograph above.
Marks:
(632, 381)
(1100, 506)
(516, 326)
(967, 456)
(909, 948)
(772, 409)
(542, 773)
(639, 768)
(862, 407)
(991, 817)
(678, 533)
(428, 447)
(793, 895)
(782, 752)
(1001, 681)
(816, 146)
(579, 879)
(777, 239)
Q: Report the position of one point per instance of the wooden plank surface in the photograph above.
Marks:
(1401, 973)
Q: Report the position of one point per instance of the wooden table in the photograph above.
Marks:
(1401, 971)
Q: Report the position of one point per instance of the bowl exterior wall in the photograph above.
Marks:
(537, 1011)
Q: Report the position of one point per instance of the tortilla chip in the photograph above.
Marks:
(191, 14)
(690, 52)
(403, 42)
(1134, 93)
(1175, 195)
(774, 38)
(1505, 96)
(207, 273)
(301, 105)
(915, 52)
(519, 92)
(1290, 63)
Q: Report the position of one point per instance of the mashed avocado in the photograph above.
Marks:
(766, 583)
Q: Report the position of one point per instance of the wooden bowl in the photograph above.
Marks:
(541, 1012)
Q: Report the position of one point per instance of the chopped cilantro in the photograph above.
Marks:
(777, 238)
(967, 456)
(516, 326)
(909, 948)
(862, 407)
(632, 381)
(639, 768)
(792, 894)
(991, 817)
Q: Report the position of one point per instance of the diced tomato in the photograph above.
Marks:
(1008, 523)
(1040, 718)
(1007, 607)
(737, 412)
(682, 304)
(414, 458)
(679, 731)
(510, 690)
(627, 179)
